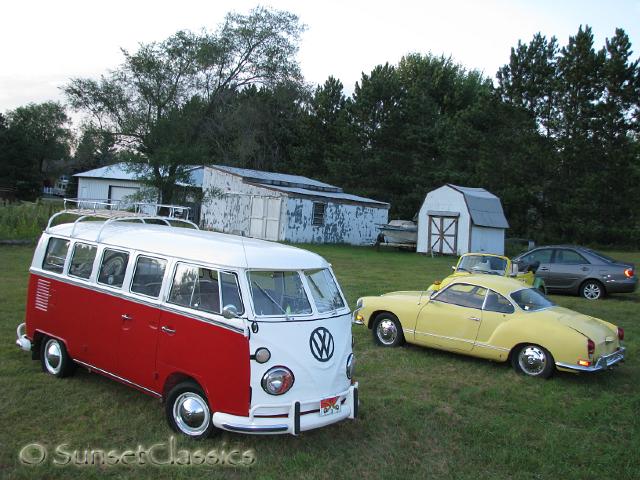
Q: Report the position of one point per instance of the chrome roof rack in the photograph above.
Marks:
(122, 211)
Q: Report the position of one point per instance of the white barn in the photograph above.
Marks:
(456, 220)
(291, 208)
(117, 183)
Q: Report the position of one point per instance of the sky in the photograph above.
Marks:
(45, 43)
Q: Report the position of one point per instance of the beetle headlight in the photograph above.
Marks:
(351, 364)
(277, 380)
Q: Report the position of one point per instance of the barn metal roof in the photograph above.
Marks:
(121, 171)
(297, 185)
(278, 179)
(485, 208)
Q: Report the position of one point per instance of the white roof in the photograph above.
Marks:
(123, 171)
(196, 245)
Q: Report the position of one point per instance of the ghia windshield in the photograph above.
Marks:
(283, 293)
(482, 264)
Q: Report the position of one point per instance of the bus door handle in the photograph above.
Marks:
(168, 330)
(126, 317)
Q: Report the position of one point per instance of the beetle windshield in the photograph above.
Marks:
(278, 293)
(482, 264)
(530, 299)
(324, 290)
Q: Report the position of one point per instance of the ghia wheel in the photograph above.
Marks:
(188, 411)
(387, 330)
(54, 358)
(592, 290)
(533, 361)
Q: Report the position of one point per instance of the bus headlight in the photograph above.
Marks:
(351, 364)
(277, 380)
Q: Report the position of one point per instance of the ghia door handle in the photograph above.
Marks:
(168, 330)
(475, 319)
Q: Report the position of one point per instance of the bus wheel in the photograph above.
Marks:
(55, 359)
(188, 411)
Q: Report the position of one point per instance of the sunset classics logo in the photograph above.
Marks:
(158, 454)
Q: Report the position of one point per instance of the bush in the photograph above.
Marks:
(26, 220)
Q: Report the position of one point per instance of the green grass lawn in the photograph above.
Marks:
(424, 413)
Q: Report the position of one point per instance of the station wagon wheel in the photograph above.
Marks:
(188, 411)
(533, 361)
(387, 330)
(592, 290)
(54, 357)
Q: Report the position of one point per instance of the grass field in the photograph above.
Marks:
(424, 413)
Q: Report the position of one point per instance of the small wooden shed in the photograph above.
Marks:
(454, 220)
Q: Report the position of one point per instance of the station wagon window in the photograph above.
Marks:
(147, 279)
(56, 254)
(324, 290)
(197, 288)
(464, 295)
(113, 268)
(278, 293)
(82, 260)
(497, 303)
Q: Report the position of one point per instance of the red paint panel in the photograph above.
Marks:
(216, 357)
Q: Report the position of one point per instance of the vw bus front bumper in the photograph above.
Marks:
(301, 416)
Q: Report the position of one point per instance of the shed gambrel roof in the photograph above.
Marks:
(484, 207)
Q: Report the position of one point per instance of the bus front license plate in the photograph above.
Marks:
(329, 406)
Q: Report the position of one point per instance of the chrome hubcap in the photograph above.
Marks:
(592, 291)
(53, 356)
(532, 360)
(191, 413)
(387, 331)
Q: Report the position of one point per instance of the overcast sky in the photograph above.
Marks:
(44, 43)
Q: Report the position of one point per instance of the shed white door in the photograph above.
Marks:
(443, 235)
(265, 217)
(120, 194)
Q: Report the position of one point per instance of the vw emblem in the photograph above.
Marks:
(321, 344)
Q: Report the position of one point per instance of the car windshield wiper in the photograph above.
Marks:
(266, 294)
(463, 269)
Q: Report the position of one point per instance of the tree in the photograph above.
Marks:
(166, 97)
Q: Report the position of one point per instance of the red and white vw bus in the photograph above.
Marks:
(232, 333)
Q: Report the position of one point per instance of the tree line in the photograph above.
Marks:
(555, 137)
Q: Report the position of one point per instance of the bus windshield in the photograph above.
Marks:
(278, 293)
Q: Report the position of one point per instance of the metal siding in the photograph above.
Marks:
(98, 188)
(351, 224)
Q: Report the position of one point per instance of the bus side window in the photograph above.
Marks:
(231, 292)
(82, 260)
(113, 267)
(56, 254)
(196, 288)
(147, 279)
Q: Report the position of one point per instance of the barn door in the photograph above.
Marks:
(443, 235)
(265, 218)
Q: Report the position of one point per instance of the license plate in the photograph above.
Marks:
(329, 406)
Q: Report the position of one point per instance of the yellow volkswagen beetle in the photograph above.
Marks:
(496, 318)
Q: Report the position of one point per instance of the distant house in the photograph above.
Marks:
(276, 206)
(272, 206)
(455, 220)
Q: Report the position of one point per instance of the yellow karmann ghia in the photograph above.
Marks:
(490, 264)
(496, 318)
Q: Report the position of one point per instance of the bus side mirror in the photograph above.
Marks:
(229, 312)
(453, 267)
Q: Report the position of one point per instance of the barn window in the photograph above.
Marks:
(318, 213)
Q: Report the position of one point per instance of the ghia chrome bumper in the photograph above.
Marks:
(294, 422)
(22, 341)
(603, 363)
